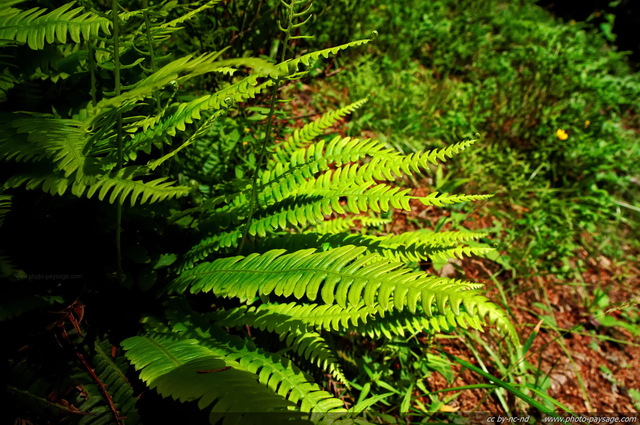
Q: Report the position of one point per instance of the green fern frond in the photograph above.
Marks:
(185, 68)
(118, 186)
(122, 186)
(187, 371)
(413, 246)
(441, 199)
(189, 15)
(302, 137)
(383, 163)
(306, 343)
(322, 197)
(313, 347)
(340, 192)
(410, 246)
(31, 138)
(290, 66)
(208, 246)
(37, 28)
(112, 373)
(305, 163)
(294, 194)
(186, 113)
(368, 320)
(224, 375)
(344, 276)
(285, 179)
(277, 372)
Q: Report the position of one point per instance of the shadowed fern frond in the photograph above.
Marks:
(111, 371)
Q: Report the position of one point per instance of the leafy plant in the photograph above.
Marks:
(276, 256)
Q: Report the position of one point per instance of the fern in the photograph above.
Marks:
(342, 224)
(182, 69)
(37, 28)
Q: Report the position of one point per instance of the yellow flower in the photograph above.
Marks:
(587, 123)
(561, 134)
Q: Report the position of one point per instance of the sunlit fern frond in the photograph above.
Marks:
(38, 27)
(343, 276)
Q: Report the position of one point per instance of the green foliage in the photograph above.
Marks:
(186, 150)
(37, 27)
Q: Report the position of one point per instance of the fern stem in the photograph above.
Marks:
(118, 90)
(154, 66)
(253, 197)
(92, 73)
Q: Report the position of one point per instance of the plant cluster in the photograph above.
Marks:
(160, 189)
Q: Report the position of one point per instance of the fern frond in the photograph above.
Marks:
(344, 276)
(322, 197)
(413, 246)
(290, 66)
(122, 186)
(302, 137)
(37, 28)
(305, 163)
(189, 15)
(383, 163)
(223, 375)
(306, 343)
(418, 245)
(370, 320)
(112, 374)
(339, 191)
(274, 371)
(285, 179)
(187, 112)
(118, 186)
(31, 138)
(208, 246)
(441, 199)
(185, 68)
(313, 347)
